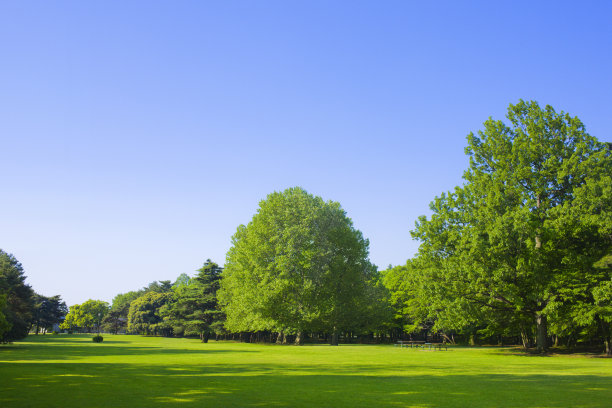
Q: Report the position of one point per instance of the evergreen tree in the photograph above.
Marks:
(196, 309)
(19, 299)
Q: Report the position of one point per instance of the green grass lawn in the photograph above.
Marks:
(134, 371)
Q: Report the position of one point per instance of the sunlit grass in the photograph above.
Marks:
(134, 371)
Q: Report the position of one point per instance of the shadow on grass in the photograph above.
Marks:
(284, 385)
(57, 348)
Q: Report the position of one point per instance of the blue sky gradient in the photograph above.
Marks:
(137, 136)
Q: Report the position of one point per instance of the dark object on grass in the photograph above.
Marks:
(97, 339)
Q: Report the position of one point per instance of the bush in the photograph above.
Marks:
(55, 332)
(98, 339)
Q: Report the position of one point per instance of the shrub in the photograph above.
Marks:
(55, 332)
(98, 339)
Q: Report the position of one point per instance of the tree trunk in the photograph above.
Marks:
(334, 337)
(298, 339)
(606, 331)
(205, 337)
(542, 333)
(279, 338)
(524, 339)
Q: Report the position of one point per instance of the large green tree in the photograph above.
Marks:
(521, 236)
(19, 298)
(298, 266)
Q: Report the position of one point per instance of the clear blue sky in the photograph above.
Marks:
(136, 136)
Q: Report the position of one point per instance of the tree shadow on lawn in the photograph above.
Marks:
(81, 346)
(71, 351)
(284, 385)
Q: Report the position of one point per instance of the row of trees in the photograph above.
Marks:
(298, 269)
(522, 247)
(187, 307)
(21, 309)
(520, 251)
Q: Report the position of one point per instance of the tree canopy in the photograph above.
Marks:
(298, 266)
(48, 311)
(146, 315)
(87, 315)
(519, 240)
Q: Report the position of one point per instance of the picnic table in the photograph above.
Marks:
(436, 346)
(411, 343)
(422, 344)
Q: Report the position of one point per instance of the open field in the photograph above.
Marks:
(134, 371)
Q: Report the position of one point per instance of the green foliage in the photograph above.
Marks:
(145, 315)
(196, 309)
(164, 286)
(18, 299)
(97, 339)
(48, 311)
(121, 302)
(517, 242)
(88, 315)
(298, 266)
(5, 325)
(117, 317)
(411, 311)
(182, 280)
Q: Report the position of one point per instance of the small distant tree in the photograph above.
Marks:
(97, 309)
(47, 312)
(88, 315)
